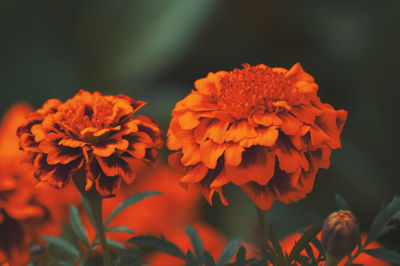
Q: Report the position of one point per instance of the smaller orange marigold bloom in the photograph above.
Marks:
(261, 128)
(26, 212)
(93, 133)
(363, 259)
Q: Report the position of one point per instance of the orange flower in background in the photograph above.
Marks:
(264, 129)
(174, 208)
(93, 133)
(363, 258)
(26, 213)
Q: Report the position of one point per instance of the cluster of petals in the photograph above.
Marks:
(93, 134)
(26, 212)
(264, 129)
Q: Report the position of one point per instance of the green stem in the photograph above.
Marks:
(263, 229)
(94, 203)
(331, 261)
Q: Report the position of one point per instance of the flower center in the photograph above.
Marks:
(253, 89)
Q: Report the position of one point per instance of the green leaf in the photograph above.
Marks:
(303, 241)
(208, 259)
(379, 225)
(77, 226)
(341, 204)
(64, 246)
(111, 243)
(277, 247)
(190, 259)
(197, 244)
(87, 209)
(115, 244)
(123, 229)
(241, 257)
(158, 244)
(130, 201)
(384, 254)
(228, 251)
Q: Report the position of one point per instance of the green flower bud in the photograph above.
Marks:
(340, 234)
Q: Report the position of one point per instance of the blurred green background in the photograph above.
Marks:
(154, 51)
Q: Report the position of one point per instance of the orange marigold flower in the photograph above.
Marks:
(93, 133)
(26, 213)
(262, 128)
(362, 259)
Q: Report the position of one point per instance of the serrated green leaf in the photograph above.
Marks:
(197, 244)
(111, 243)
(77, 226)
(128, 202)
(277, 247)
(384, 254)
(64, 246)
(208, 259)
(158, 244)
(87, 210)
(190, 259)
(115, 244)
(228, 251)
(379, 225)
(241, 257)
(303, 241)
(341, 204)
(123, 229)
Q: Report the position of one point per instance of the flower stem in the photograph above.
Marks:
(94, 204)
(262, 225)
(331, 260)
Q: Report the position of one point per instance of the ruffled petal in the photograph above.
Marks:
(107, 186)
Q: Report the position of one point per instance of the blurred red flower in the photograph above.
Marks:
(26, 212)
(93, 133)
(264, 129)
(363, 258)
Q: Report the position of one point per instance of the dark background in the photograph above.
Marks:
(155, 50)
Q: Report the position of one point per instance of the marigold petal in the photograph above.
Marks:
(207, 84)
(61, 174)
(213, 129)
(239, 131)
(257, 165)
(233, 154)
(25, 211)
(287, 155)
(267, 119)
(109, 146)
(210, 153)
(188, 120)
(73, 143)
(115, 165)
(195, 174)
(296, 73)
(290, 125)
(260, 195)
(107, 186)
(58, 153)
(199, 102)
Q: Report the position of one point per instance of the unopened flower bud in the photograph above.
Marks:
(340, 234)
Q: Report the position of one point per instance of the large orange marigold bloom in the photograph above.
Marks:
(262, 128)
(93, 133)
(26, 212)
